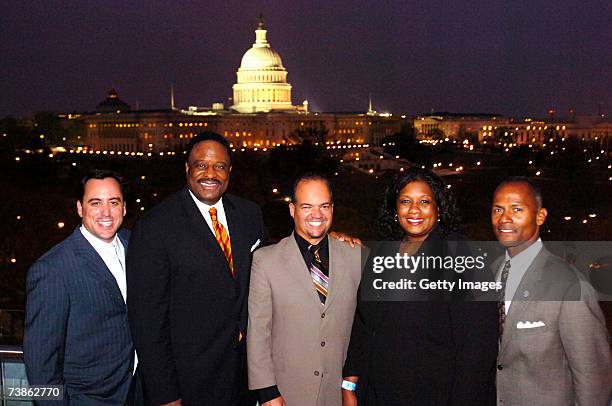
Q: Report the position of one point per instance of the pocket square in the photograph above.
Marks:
(529, 324)
(255, 245)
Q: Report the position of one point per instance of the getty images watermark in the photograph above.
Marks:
(471, 271)
(425, 263)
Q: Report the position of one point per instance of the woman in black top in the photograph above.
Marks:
(434, 352)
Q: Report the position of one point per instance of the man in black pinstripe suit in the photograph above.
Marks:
(76, 330)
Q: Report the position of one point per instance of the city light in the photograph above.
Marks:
(60, 224)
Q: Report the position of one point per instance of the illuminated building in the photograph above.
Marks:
(262, 116)
(454, 125)
(261, 79)
(491, 128)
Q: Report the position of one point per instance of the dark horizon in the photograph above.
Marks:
(497, 57)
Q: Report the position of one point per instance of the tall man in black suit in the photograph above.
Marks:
(188, 276)
(76, 328)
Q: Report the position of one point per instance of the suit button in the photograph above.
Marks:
(322, 343)
(322, 315)
(316, 373)
(500, 367)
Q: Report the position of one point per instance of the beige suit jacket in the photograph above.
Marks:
(293, 341)
(564, 359)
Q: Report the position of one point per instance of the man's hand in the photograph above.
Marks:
(279, 401)
(352, 241)
(178, 402)
(349, 398)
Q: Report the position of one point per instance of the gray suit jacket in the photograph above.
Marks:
(565, 361)
(293, 341)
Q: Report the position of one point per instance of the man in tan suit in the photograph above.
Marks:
(301, 305)
(554, 346)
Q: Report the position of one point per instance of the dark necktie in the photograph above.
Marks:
(318, 273)
(501, 305)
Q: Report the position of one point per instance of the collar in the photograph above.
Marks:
(98, 243)
(203, 207)
(525, 258)
(305, 245)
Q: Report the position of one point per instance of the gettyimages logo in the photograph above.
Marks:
(412, 263)
(471, 270)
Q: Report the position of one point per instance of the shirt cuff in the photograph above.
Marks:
(266, 394)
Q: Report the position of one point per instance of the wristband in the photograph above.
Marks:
(348, 385)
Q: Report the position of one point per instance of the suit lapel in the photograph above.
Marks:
(334, 271)
(529, 285)
(93, 263)
(240, 248)
(293, 255)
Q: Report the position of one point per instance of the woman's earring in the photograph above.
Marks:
(395, 218)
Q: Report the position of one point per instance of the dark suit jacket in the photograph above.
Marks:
(186, 311)
(564, 357)
(434, 352)
(76, 328)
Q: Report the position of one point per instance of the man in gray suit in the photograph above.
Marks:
(554, 346)
(301, 304)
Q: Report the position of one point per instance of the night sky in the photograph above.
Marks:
(510, 57)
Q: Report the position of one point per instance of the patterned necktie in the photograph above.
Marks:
(501, 305)
(318, 274)
(223, 239)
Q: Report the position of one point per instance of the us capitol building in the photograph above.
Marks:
(262, 115)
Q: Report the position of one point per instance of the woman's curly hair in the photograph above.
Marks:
(448, 212)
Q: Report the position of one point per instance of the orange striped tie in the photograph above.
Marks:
(223, 239)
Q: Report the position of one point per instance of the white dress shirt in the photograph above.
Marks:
(113, 255)
(203, 207)
(518, 266)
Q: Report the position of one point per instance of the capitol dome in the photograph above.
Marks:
(261, 84)
(261, 58)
